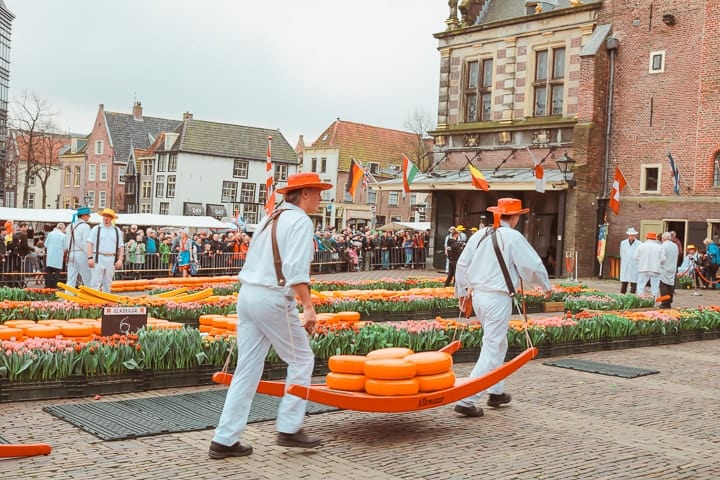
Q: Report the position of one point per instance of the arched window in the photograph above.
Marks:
(716, 170)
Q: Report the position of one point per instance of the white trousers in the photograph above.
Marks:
(78, 264)
(642, 282)
(265, 317)
(493, 311)
(103, 272)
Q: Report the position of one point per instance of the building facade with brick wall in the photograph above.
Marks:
(607, 84)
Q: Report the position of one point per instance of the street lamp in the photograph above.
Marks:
(566, 164)
(86, 198)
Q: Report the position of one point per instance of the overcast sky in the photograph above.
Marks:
(292, 65)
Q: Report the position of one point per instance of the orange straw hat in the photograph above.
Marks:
(297, 181)
(651, 236)
(509, 206)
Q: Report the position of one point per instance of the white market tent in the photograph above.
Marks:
(416, 226)
(38, 215)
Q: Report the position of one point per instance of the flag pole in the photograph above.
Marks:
(269, 190)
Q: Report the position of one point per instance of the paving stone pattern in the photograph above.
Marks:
(561, 424)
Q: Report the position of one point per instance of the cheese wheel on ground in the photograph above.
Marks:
(42, 331)
(348, 382)
(348, 316)
(389, 368)
(392, 387)
(18, 323)
(347, 364)
(430, 363)
(206, 319)
(10, 332)
(76, 330)
(432, 383)
(392, 352)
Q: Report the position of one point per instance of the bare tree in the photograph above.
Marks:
(35, 138)
(420, 122)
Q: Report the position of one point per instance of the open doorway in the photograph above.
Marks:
(679, 227)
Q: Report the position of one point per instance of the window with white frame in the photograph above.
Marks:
(247, 192)
(91, 198)
(396, 218)
(549, 82)
(146, 192)
(76, 176)
(10, 199)
(250, 213)
(160, 186)
(373, 168)
(262, 193)
(281, 172)
(68, 176)
(240, 168)
(657, 62)
(172, 163)
(147, 166)
(99, 147)
(130, 188)
(103, 172)
(170, 191)
(371, 196)
(164, 208)
(413, 198)
(122, 171)
(716, 170)
(229, 192)
(314, 164)
(92, 169)
(650, 178)
(323, 165)
(478, 90)
(31, 200)
(393, 199)
(162, 162)
(102, 199)
(145, 208)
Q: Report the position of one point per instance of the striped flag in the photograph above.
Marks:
(675, 174)
(269, 190)
(355, 176)
(478, 179)
(602, 240)
(409, 171)
(538, 173)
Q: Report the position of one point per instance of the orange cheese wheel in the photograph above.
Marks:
(42, 331)
(18, 323)
(231, 324)
(347, 364)
(206, 319)
(430, 363)
(345, 381)
(348, 316)
(439, 381)
(205, 328)
(8, 333)
(51, 321)
(76, 330)
(393, 352)
(392, 387)
(389, 368)
(219, 322)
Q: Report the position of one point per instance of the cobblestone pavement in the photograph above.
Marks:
(561, 424)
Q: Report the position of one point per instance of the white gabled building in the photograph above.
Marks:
(217, 169)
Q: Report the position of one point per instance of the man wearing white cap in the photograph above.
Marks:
(628, 262)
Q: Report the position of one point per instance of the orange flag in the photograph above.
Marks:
(478, 180)
(619, 183)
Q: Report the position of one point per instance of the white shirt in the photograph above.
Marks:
(295, 243)
(54, 247)
(109, 243)
(81, 231)
(668, 262)
(628, 262)
(478, 267)
(648, 256)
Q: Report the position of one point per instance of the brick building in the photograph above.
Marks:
(606, 84)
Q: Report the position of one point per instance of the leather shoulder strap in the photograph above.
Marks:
(276, 250)
(503, 266)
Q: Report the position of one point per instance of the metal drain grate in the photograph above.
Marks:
(125, 419)
(601, 368)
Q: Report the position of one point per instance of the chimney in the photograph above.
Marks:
(137, 111)
(187, 116)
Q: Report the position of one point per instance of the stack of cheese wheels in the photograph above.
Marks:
(391, 371)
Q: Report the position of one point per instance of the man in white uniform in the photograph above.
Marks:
(76, 238)
(479, 271)
(54, 247)
(268, 315)
(648, 258)
(628, 262)
(668, 269)
(105, 251)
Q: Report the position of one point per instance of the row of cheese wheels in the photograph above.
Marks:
(218, 324)
(73, 328)
(391, 371)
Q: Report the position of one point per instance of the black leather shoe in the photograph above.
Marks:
(471, 411)
(218, 450)
(297, 440)
(497, 400)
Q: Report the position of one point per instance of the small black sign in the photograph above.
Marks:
(217, 211)
(192, 209)
(123, 320)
